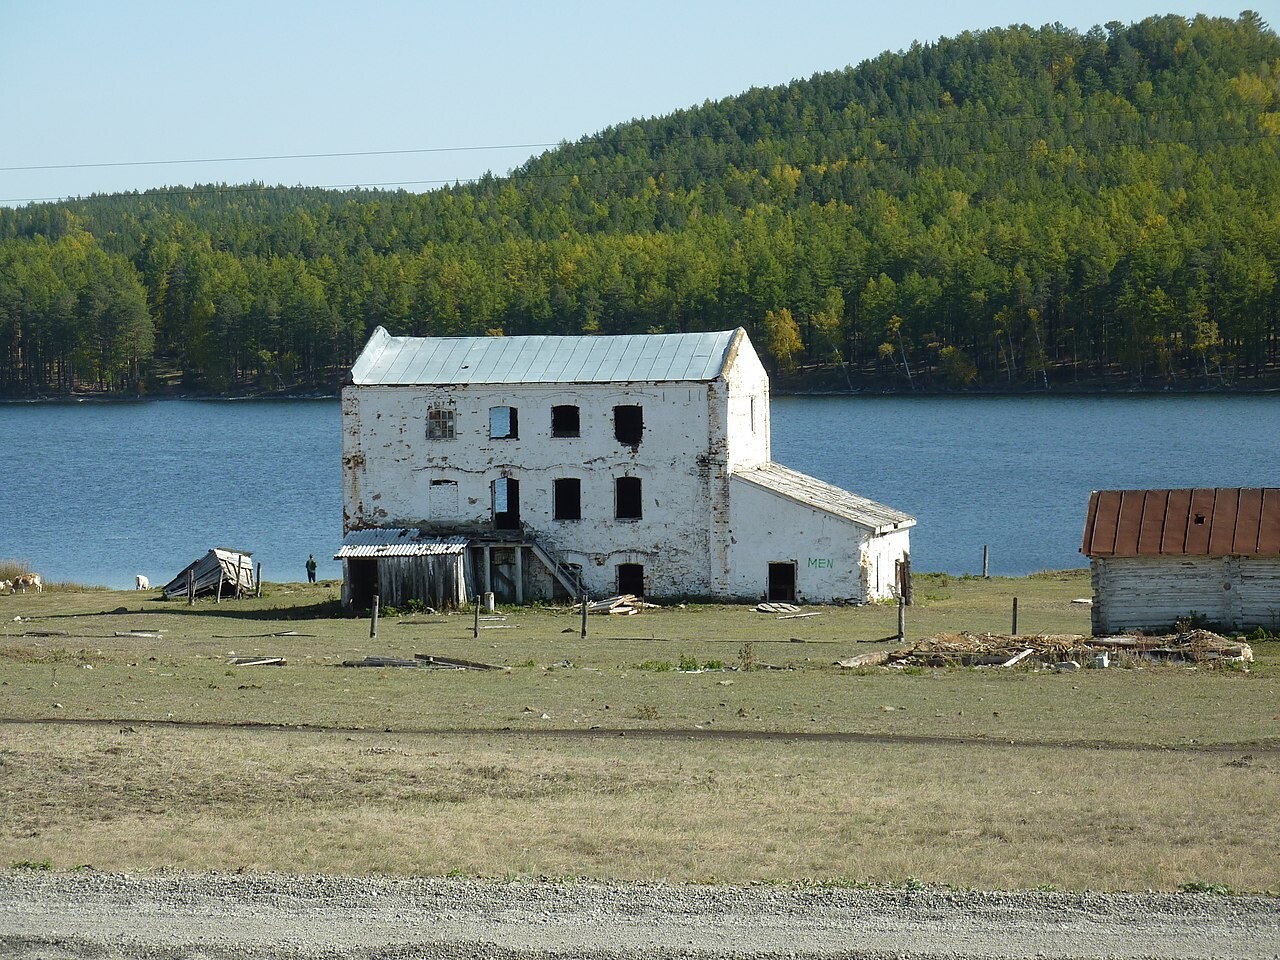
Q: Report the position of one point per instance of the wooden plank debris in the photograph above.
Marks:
(626, 605)
(148, 634)
(257, 661)
(876, 659)
(1018, 657)
(800, 616)
(46, 633)
(422, 661)
(772, 607)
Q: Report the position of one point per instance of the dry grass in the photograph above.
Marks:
(678, 810)
(499, 774)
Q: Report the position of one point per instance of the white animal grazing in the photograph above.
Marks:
(26, 581)
(6, 585)
(142, 582)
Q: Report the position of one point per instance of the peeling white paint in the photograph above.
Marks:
(699, 534)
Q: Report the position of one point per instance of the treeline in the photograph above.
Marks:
(1019, 206)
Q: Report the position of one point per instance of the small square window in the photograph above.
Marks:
(565, 421)
(440, 424)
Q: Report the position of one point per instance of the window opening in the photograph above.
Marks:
(631, 578)
(628, 424)
(440, 424)
(506, 504)
(627, 498)
(503, 423)
(565, 421)
(782, 582)
(568, 498)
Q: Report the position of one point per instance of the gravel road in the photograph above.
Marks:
(64, 916)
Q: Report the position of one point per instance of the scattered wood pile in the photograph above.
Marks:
(422, 661)
(624, 605)
(1002, 650)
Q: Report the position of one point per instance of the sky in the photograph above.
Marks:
(101, 97)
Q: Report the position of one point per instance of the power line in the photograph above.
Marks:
(871, 127)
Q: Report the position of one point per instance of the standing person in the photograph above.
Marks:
(311, 568)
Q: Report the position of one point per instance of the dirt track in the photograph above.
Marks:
(61, 917)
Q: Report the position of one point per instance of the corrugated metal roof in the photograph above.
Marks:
(413, 361)
(823, 496)
(395, 542)
(1213, 522)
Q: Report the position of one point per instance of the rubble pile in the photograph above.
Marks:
(1004, 650)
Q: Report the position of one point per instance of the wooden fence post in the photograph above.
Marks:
(984, 561)
(373, 619)
(1015, 616)
(584, 615)
(902, 619)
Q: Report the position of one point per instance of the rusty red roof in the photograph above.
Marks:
(1214, 522)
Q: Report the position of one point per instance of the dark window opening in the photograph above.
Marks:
(627, 498)
(503, 423)
(1199, 518)
(631, 578)
(565, 421)
(628, 424)
(568, 498)
(506, 504)
(782, 582)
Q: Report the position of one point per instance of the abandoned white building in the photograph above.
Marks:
(1160, 556)
(536, 467)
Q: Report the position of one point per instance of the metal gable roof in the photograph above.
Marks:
(443, 361)
(819, 495)
(1205, 522)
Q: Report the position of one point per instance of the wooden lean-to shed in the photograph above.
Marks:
(1159, 556)
(225, 573)
(398, 565)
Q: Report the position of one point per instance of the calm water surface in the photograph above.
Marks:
(96, 493)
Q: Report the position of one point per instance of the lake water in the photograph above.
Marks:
(99, 492)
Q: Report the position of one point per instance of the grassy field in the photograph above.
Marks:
(129, 742)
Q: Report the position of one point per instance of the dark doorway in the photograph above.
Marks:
(506, 504)
(631, 578)
(782, 582)
(362, 582)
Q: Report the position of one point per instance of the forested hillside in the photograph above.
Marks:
(1014, 207)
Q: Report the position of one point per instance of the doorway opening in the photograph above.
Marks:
(782, 582)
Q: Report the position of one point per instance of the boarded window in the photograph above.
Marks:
(568, 498)
(565, 421)
(444, 499)
(503, 423)
(631, 578)
(440, 423)
(628, 424)
(627, 498)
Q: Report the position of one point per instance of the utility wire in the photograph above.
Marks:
(527, 175)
